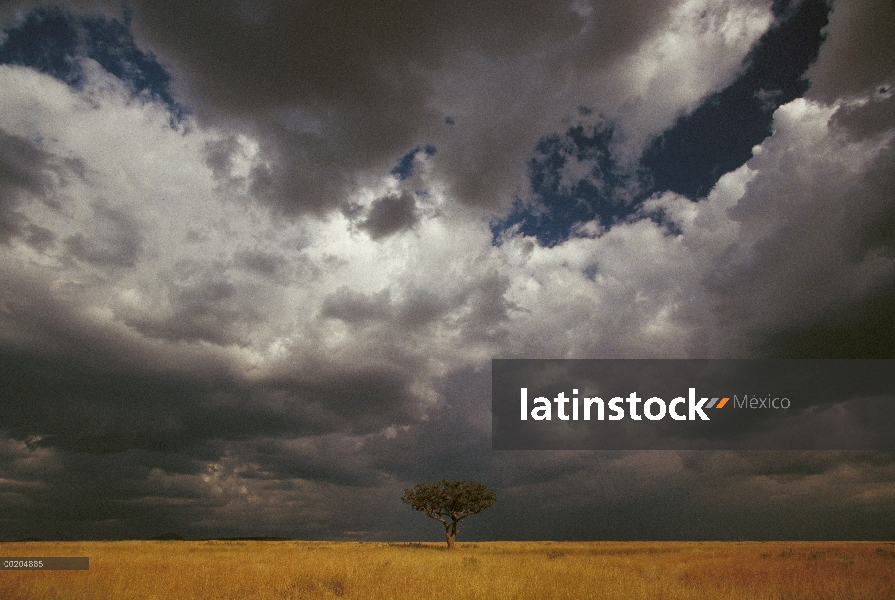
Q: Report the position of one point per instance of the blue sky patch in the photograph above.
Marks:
(688, 158)
(575, 178)
(718, 137)
(52, 41)
(404, 168)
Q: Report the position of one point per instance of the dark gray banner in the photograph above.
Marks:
(730, 404)
(45, 563)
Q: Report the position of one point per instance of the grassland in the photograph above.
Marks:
(512, 570)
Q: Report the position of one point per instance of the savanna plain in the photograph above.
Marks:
(192, 570)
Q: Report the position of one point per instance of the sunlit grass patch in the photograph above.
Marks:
(496, 570)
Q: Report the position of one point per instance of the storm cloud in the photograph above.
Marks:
(232, 305)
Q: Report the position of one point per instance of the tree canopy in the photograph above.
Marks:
(450, 501)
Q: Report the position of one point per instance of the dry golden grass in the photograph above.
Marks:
(496, 570)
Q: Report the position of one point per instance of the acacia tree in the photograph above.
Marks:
(450, 502)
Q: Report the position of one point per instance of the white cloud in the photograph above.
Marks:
(214, 271)
(700, 51)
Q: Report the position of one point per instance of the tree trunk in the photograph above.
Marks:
(450, 534)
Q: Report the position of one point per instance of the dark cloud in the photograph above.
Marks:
(211, 487)
(362, 401)
(260, 262)
(489, 308)
(857, 326)
(329, 458)
(354, 307)
(449, 444)
(862, 328)
(872, 118)
(481, 305)
(26, 169)
(61, 403)
(202, 303)
(336, 91)
(420, 308)
(390, 215)
(73, 387)
(329, 90)
(794, 281)
(117, 239)
(70, 405)
(22, 165)
(856, 59)
(415, 310)
(219, 156)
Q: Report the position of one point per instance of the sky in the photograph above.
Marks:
(257, 257)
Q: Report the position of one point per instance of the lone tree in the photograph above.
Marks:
(450, 502)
